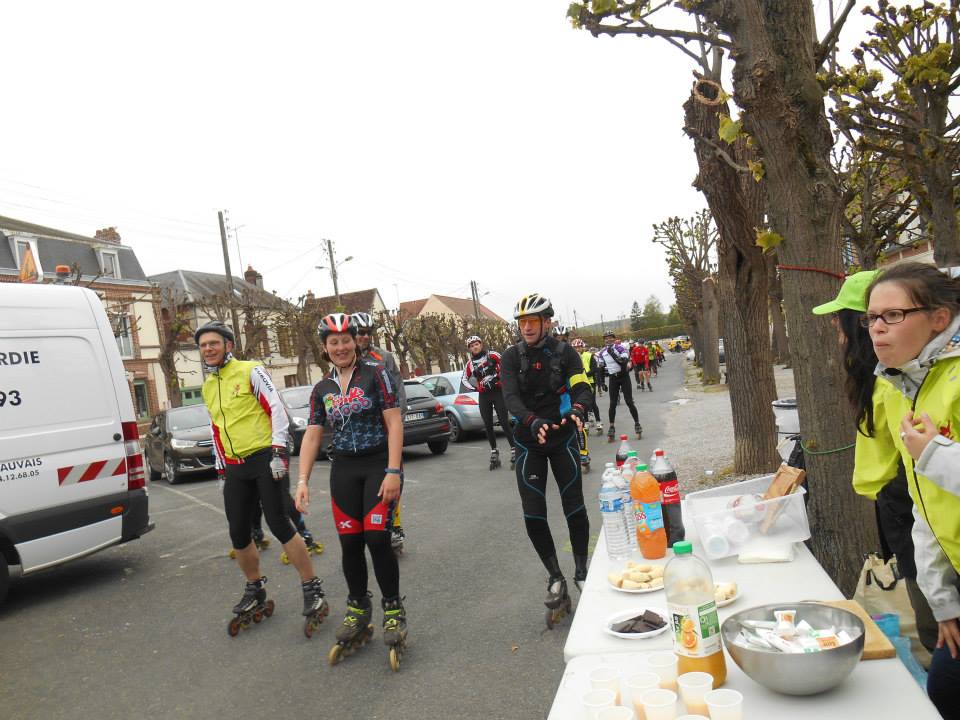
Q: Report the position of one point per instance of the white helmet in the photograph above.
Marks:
(473, 339)
(533, 304)
(561, 330)
(362, 320)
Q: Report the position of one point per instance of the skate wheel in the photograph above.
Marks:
(317, 549)
(257, 616)
(233, 554)
(335, 654)
(308, 628)
(551, 620)
(265, 543)
(268, 608)
(233, 628)
(395, 659)
(284, 559)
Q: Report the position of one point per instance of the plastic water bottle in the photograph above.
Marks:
(622, 479)
(614, 522)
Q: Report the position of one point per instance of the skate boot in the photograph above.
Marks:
(394, 630)
(397, 536)
(513, 457)
(598, 427)
(253, 606)
(649, 387)
(312, 547)
(611, 433)
(638, 429)
(640, 387)
(315, 606)
(494, 459)
(355, 630)
(580, 571)
(557, 600)
(259, 540)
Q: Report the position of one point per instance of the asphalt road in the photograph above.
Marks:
(140, 630)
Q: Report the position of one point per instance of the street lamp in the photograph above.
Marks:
(333, 268)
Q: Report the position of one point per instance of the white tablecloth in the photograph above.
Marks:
(875, 689)
(760, 584)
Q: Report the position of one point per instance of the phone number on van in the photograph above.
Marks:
(10, 397)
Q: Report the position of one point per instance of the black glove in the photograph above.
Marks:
(577, 411)
(536, 424)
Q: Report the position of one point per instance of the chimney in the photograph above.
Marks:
(109, 235)
(253, 277)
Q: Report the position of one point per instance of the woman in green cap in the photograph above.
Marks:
(881, 482)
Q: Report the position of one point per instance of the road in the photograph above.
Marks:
(140, 630)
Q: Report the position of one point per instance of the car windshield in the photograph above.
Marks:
(298, 397)
(188, 417)
(416, 390)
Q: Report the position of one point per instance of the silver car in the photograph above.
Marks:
(459, 402)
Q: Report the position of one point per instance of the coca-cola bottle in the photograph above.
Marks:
(622, 451)
(670, 492)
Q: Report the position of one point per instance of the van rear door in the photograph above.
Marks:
(62, 462)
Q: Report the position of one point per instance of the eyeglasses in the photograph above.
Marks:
(889, 317)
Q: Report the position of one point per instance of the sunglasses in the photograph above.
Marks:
(363, 332)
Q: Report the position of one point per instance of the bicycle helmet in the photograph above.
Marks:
(336, 323)
(533, 304)
(578, 343)
(216, 326)
(609, 334)
(561, 330)
(473, 339)
(362, 320)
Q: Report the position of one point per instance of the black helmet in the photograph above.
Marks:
(216, 326)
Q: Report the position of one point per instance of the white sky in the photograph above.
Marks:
(436, 142)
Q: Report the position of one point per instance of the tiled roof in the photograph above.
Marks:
(194, 285)
(357, 301)
(464, 307)
(412, 308)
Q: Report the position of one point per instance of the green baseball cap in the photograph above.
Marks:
(852, 295)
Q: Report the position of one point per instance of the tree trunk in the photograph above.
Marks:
(736, 203)
(302, 375)
(171, 379)
(780, 344)
(711, 333)
(775, 84)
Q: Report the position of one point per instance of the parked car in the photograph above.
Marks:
(297, 402)
(459, 400)
(425, 420)
(179, 443)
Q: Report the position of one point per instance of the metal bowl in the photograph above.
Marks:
(799, 674)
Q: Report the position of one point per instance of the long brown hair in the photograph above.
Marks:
(924, 284)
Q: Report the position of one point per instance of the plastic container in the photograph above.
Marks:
(614, 522)
(786, 416)
(651, 535)
(623, 451)
(693, 615)
(739, 512)
(670, 497)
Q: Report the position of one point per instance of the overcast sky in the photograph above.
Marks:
(435, 142)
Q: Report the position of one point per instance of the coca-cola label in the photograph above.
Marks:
(670, 490)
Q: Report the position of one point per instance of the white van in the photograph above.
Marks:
(71, 470)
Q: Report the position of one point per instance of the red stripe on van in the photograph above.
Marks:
(92, 471)
(121, 468)
(63, 472)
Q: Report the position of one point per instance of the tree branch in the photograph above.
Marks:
(825, 47)
(650, 31)
(716, 149)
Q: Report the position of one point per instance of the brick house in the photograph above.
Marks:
(111, 269)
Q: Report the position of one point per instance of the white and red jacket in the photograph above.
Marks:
(483, 371)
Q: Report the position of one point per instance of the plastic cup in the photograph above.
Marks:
(606, 678)
(664, 664)
(724, 704)
(595, 701)
(715, 540)
(692, 717)
(660, 704)
(617, 712)
(636, 685)
(693, 686)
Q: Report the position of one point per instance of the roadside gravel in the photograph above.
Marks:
(699, 430)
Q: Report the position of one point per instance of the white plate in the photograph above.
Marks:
(728, 601)
(634, 591)
(627, 614)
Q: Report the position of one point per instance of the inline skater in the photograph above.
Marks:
(590, 368)
(547, 392)
(249, 427)
(483, 372)
(646, 362)
(636, 356)
(601, 373)
(616, 361)
(359, 399)
(365, 330)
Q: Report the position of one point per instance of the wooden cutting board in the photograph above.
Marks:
(876, 645)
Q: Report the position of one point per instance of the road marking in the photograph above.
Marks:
(181, 508)
(191, 498)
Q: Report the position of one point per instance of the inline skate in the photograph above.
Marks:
(394, 630)
(638, 429)
(494, 459)
(598, 428)
(258, 539)
(315, 606)
(513, 457)
(557, 600)
(253, 607)
(585, 463)
(355, 631)
(313, 547)
(611, 433)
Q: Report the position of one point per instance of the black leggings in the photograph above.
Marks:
(248, 486)
(618, 383)
(490, 400)
(289, 506)
(362, 519)
(563, 454)
(593, 403)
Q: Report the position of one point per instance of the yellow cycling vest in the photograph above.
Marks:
(241, 425)
(876, 458)
(585, 357)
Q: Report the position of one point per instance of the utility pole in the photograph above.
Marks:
(603, 326)
(576, 323)
(333, 269)
(230, 289)
(476, 300)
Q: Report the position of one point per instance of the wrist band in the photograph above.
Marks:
(302, 482)
(392, 471)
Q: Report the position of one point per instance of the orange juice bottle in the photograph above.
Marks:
(693, 615)
(645, 493)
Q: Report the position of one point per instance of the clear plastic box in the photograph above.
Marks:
(726, 528)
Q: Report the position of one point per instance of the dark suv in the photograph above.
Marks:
(179, 443)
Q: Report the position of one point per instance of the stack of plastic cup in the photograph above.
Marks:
(606, 678)
(595, 701)
(636, 685)
(725, 704)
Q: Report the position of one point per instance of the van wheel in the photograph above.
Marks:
(154, 474)
(4, 578)
(438, 447)
(169, 469)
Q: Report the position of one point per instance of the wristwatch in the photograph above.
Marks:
(393, 471)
